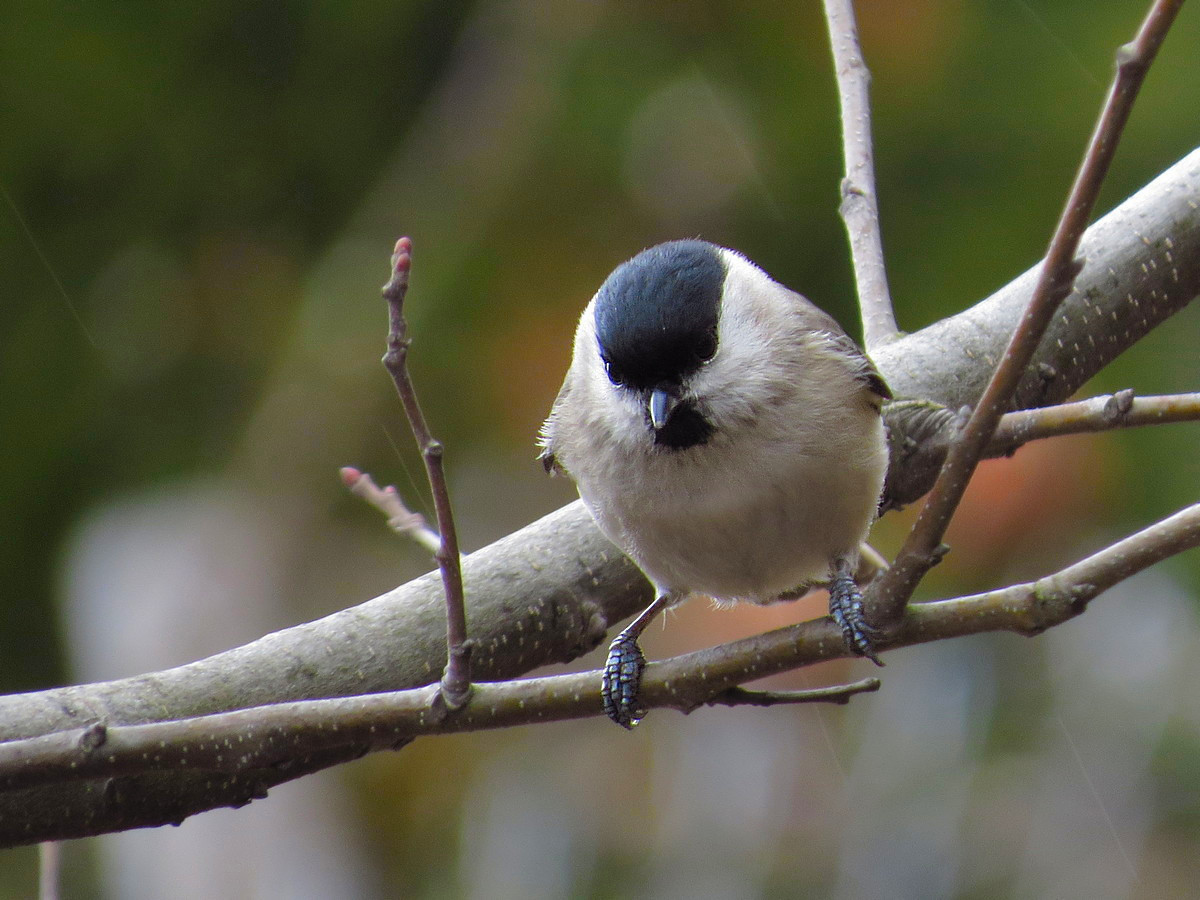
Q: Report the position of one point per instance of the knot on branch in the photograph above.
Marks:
(93, 737)
(1117, 406)
(455, 687)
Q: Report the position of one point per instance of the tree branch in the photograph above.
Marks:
(890, 593)
(456, 682)
(921, 432)
(549, 592)
(859, 208)
(248, 740)
(254, 748)
(401, 519)
(1143, 266)
(838, 693)
(1112, 411)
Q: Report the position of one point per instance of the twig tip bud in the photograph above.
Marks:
(402, 255)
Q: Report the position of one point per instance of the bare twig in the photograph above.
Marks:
(1052, 600)
(401, 519)
(1106, 413)
(859, 208)
(265, 737)
(49, 869)
(921, 432)
(891, 592)
(456, 682)
(838, 693)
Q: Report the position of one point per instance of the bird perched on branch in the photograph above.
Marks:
(725, 433)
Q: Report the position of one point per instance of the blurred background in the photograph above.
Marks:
(199, 201)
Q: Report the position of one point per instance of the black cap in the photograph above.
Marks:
(657, 314)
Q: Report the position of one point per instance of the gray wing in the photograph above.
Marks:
(826, 325)
(864, 369)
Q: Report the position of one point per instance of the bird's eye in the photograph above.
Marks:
(706, 349)
(613, 375)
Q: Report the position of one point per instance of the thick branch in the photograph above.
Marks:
(1141, 266)
(548, 592)
(242, 747)
(921, 550)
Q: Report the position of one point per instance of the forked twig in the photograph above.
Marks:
(456, 682)
(387, 500)
(859, 208)
(890, 593)
(246, 740)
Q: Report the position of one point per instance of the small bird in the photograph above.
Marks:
(726, 435)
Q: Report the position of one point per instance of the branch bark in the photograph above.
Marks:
(548, 592)
(1119, 410)
(859, 207)
(889, 595)
(1142, 265)
(456, 681)
(242, 753)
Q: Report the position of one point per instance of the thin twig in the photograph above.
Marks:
(401, 519)
(456, 682)
(1105, 413)
(266, 736)
(49, 870)
(859, 208)
(890, 593)
(838, 693)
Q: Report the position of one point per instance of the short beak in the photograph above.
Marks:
(661, 405)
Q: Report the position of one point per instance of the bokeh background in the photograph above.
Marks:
(198, 205)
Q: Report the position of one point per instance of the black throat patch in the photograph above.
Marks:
(687, 427)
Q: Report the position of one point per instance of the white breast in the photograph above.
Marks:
(747, 519)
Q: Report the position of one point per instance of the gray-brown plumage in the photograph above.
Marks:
(724, 432)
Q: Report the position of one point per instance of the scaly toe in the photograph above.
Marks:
(623, 680)
(846, 608)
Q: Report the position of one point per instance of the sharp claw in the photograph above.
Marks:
(846, 608)
(622, 681)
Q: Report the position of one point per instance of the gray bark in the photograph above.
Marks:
(550, 591)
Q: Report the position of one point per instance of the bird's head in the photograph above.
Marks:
(658, 325)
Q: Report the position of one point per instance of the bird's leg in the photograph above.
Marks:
(846, 608)
(623, 669)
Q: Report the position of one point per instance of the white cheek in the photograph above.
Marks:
(738, 381)
(619, 411)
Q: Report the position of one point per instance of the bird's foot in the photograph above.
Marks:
(623, 680)
(846, 609)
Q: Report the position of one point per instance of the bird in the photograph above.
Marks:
(726, 435)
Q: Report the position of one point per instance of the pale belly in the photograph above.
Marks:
(761, 528)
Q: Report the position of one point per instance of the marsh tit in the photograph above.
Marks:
(725, 433)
